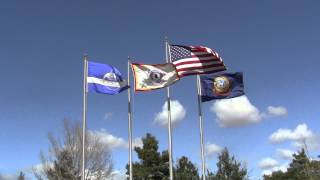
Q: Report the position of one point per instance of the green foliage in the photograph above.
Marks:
(229, 168)
(300, 168)
(185, 169)
(277, 175)
(153, 165)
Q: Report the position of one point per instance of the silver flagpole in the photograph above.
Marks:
(168, 60)
(84, 115)
(129, 123)
(201, 128)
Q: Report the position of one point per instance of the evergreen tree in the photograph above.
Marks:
(229, 168)
(185, 169)
(152, 165)
(300, 168)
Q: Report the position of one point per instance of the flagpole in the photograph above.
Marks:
(201, 128)
(168, 60)
(84, 115)
(129, 123)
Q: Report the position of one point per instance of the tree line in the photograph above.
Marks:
(63, 162)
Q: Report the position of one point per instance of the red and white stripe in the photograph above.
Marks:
(203, 61)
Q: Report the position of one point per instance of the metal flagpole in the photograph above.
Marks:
(84, 115)
(201, 128)
(129, 123)
(168, 60)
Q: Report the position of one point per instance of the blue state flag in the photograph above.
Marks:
(221, 86)
(105, 79)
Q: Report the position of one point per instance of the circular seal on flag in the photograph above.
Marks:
(156, 76)
(221, 86)
(110, 76)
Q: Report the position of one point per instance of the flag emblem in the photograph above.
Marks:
(221, 85)
(149, 77)
(156, 76)
(105, 79)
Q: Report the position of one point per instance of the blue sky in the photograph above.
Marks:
(275, 44)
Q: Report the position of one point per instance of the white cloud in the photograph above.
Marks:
(300, 133)
(178, 112)
(268, 163)
(282, 168)
(301, 137)
(112, 142)
(235, 112)
(278, 111)
(285, 153)
(239, 111)
(211, 149)
(118, 175)
(107, 116)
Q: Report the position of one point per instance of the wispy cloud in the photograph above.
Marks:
(178, 112)
(107, 115)
(277, 111)
(240, 111)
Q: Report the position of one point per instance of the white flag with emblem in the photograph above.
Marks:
(150, 77)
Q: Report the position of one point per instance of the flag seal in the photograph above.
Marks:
(221, 86)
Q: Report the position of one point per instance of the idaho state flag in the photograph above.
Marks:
(221, 86)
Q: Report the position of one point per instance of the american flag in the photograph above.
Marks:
(192, 60)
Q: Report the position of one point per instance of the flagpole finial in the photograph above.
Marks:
(85, 55)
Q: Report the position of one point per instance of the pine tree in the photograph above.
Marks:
(229, 168)
(298, 168)
(185, 169)
(152, 165)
